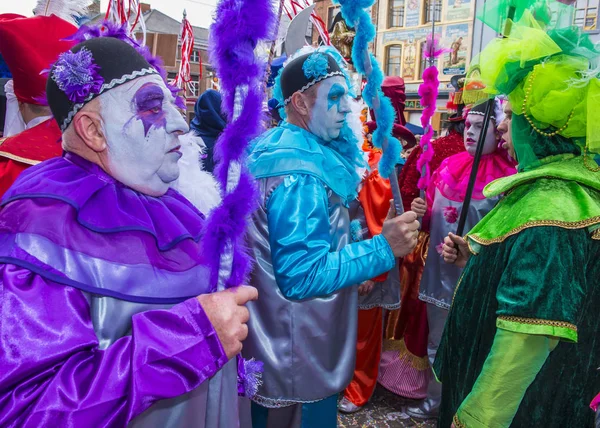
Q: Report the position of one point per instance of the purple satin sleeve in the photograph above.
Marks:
(52, 372)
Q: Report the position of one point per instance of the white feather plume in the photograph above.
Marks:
(197, 185)
(65, 9)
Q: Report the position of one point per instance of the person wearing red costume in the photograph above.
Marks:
(382, 292)
(29, 46)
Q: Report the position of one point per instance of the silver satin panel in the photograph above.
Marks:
(105, 274)
(439, 279)
(112, 320)
(385, 294)
(308, 348)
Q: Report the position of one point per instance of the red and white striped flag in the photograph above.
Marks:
(187, 47)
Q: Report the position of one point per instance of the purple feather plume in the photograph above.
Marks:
(232, 54)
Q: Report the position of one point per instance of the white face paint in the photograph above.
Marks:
(332, 104)
(142, 128)
(473, 128)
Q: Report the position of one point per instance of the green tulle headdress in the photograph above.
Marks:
(548, 68)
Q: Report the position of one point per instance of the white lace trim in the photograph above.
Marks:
(387, 306)
(314, 82)
(272, 403)
(433, 301)
(103, 88)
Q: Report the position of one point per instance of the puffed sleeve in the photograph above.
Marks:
(301, 247)
(543, 286)
(54, 374)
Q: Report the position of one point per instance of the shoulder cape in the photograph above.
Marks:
(563, 193)
(70, 222)
(288, 149)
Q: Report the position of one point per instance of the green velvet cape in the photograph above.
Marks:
(535, 270)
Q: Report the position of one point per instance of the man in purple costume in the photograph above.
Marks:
(106, 315)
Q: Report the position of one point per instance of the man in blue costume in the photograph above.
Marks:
(303, 328)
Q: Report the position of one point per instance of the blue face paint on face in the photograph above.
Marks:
(336, 93)
(332, 104)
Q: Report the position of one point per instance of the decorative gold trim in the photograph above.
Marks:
(586, 160)
(457, 423)
(462, 275)
(2, 140)
(18, 158)
(417, 363)
(535, 321)
(471, 249)
(538, 223)
(596, 235)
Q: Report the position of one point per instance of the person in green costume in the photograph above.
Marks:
(521, 345)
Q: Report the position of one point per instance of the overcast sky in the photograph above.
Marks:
(199, 12)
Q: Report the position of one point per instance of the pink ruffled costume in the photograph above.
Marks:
(445, 195)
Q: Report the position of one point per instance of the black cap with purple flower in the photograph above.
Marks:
(105, 59)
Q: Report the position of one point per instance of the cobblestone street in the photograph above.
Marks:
(383, 411)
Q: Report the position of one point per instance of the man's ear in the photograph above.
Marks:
(300, 103)
(88, 126)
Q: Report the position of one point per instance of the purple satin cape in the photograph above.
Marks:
(70, 222)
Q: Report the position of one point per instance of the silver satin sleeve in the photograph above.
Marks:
(308, 347)
(439, 279)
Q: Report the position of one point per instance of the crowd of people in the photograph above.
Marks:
(107, 312)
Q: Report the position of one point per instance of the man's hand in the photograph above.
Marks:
(455, 250)
(228, 315)
(419, 206)
(401, 232)
(365, 288)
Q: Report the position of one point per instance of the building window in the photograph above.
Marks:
(396, 14)
(433, 10)
(393, 60)
(331, 14)
(309, 33)
(194, 87)
(424, 60)
(586, 14)
(195, 56)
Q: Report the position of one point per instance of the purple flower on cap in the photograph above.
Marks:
(76, 74)
(315, 66)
